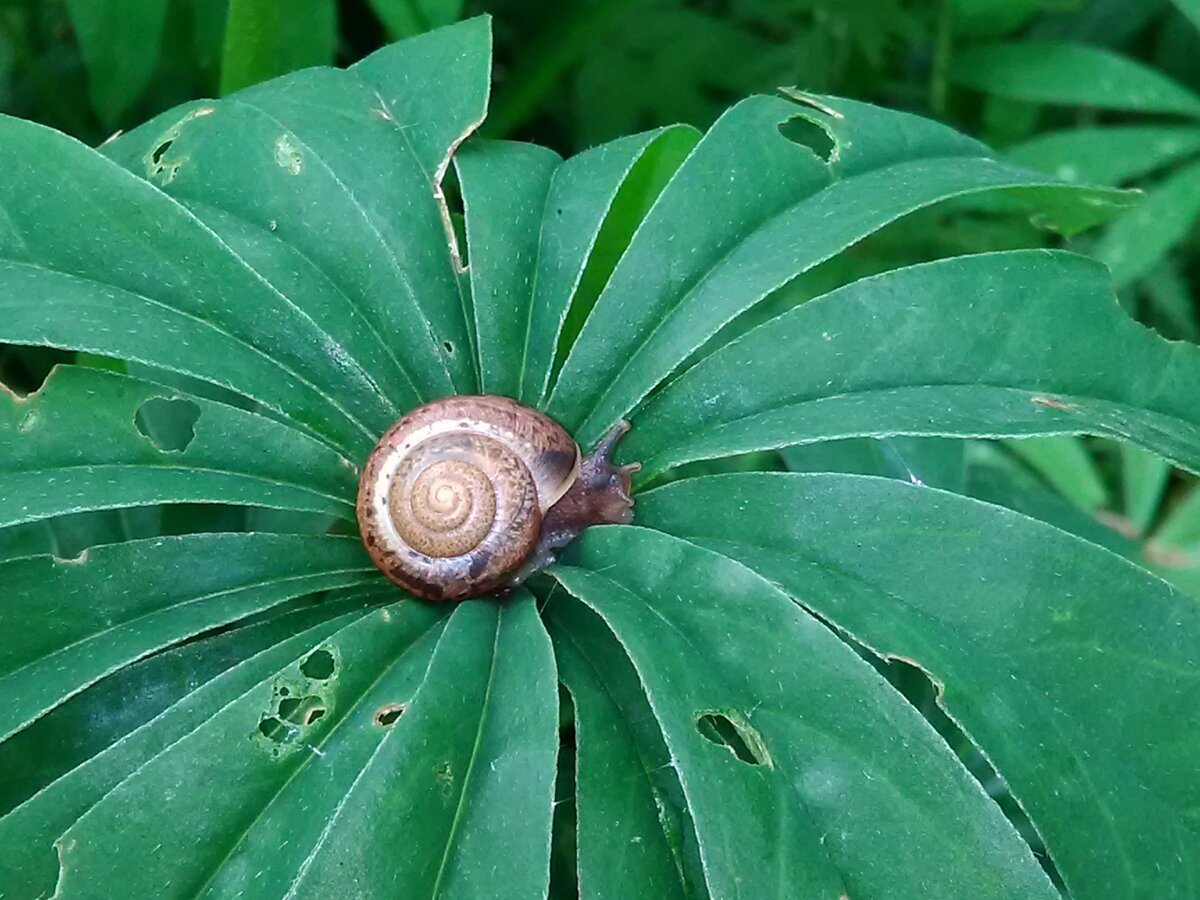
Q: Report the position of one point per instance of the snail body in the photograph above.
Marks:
(468, 495)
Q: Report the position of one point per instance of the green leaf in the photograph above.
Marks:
(632, 818)
(1068, 466)
(686, 273)
(1006, 344)
(121, 40)
(318, 190)
(405, 18)
(1181, 527)
(505, 187)
(1191, 9)
(1111, 155)
(437, 739)
(1075, 671)
(222, 454)
(295, 742)
(459, 801)
(596, 201)
(69, 623)
(804, 772)
(936, 462)
(139, 277)
(984, 17)
(1144, 478)
(102, 736)
(1140, 239)
(303, 245)
(266, 38)
(1061, 73)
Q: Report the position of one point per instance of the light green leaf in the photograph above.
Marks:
(688, 273)
(804, 772)
(120, 40)
(69, 623)
(1191, 9)
(1007, 344)
(1067, 465)
(267, 38)
(1068, 74)
(1138, 241)
(1111, 155)
(1077, 673)
(1181, 527)
(505, 187)
(1144, 478)
(220, 454)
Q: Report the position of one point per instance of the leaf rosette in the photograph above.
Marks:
(688, 706)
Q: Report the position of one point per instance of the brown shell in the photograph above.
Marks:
(451, 500)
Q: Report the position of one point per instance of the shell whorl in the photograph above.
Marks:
(451, 501)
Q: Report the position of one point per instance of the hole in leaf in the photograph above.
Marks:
(924, 692)
(288, 707)
(290, 716)
(444, 774)
(273, 729)
(319, 665)
(732, 731)
(807, 133)
(160, 151)
(449, 347)
(170, 425)
(388, 714)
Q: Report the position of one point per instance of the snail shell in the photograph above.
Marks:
(451, 502)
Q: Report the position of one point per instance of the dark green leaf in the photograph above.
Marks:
(221, 455)
(120, 40)
(804, 772)
(1005, 344)
(632, 818)
(99, 738)
(69, 623)
(405, 18)
(1076, 672)
(687, 272)
(504, 186)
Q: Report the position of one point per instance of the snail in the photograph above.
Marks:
(470, 495)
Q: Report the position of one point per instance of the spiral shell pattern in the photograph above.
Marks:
(451, 501)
